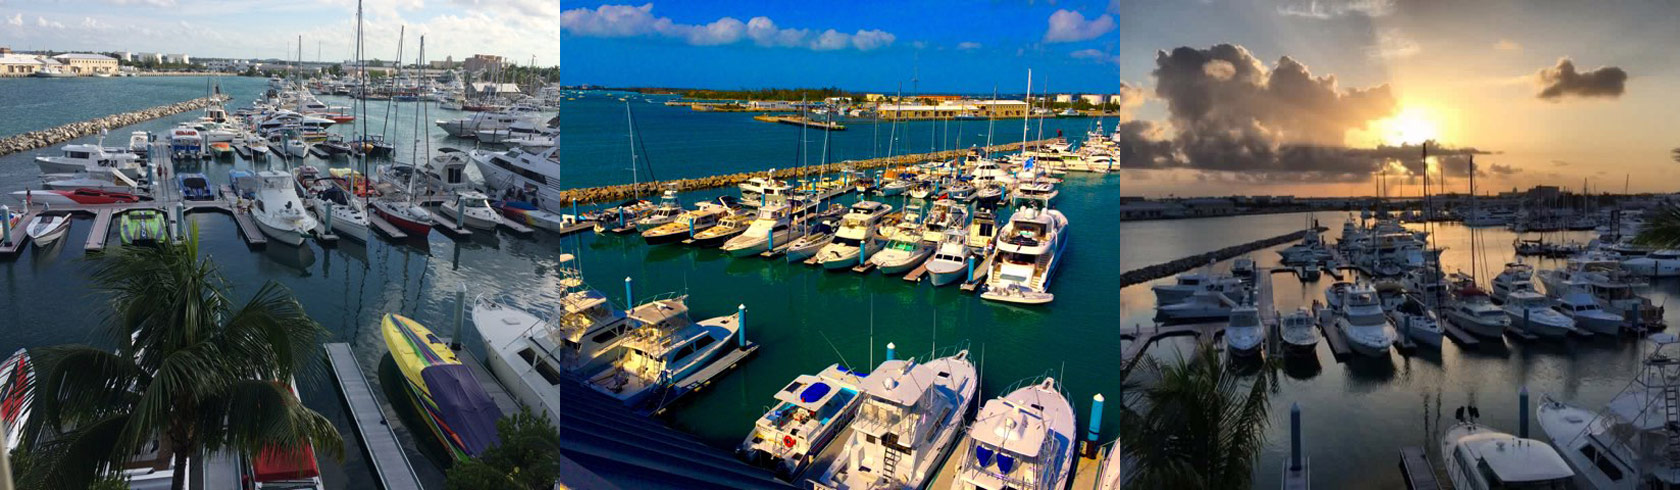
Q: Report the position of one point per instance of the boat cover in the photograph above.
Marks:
(467, 411)
(282, 465)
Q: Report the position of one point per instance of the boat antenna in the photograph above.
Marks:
(360, 106)
(635, 179)
(871, 331)
(836, 349)
(1026, 119)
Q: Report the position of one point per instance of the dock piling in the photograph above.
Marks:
(629, 301)
(1522, 412)
(460, 312)
(1095, 427)
(741, 326)
(1295, 437)
(5, 224)
(891, 350)
(327, 222)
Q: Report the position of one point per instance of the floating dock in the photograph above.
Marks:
(1420, 475)
(703, 377)
(801, 121)
(1141, 336)
(449, 226)
(385, 453)
(13, 244)
(1333, 335)
(386, 227)
(100, 231)
(1463, 338)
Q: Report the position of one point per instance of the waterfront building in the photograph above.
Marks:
(482, 62)
(88, 64)
(954, 108)
(149, 57)
(178, 58)
(1093, 99)
(18, 65)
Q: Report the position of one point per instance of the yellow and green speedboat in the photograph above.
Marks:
(451, 401)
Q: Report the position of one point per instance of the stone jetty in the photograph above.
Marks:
(1157, 271)
(619, 193)
(48, 137)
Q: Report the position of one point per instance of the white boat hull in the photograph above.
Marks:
(287, 236)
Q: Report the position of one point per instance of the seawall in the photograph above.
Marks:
(1157, 271)
(51, 136)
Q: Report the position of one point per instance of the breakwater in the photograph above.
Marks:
(1157, 271)
(618, 193)
(51, 136)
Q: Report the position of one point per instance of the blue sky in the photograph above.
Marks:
(967, 46)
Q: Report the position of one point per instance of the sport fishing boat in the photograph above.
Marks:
(537, 173)
(450, 400)
(773, 226)
(1358, 314)
(950, 261)
(1028, 250)
(1517, 276)
(665, 351)
(1473, 310)
(667, 211)
(1189, 283)
(911, 415)
(982, 231)
(1477, 456)
(818, 235)
(904, 248)
(1588, 315)
(348, 217)
(1243, 334)
(472, 209)
(45, 229)
(702, 217)
(1415, 319)
(1023, 440)
(89, 158)
(1532, 312)
(1298, 332)
(857, 235)
(278, 210)
(142, 227)
(1628, 445)
(809, 413)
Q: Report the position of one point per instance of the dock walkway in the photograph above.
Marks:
(13, 244)
(1420, 475)
(385, 453)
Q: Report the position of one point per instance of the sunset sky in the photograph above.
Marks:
(1221, 117)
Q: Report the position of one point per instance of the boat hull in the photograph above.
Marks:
(283, 235)
(44, 230)
(942, 274)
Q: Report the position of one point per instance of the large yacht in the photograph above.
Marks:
(278, 211)
(1359, 316)
(1190, 283)
(1472, 309)
(91, 158)
(910, 418)
(1028, 250)
(1517, 276)
(809, 413)
(773, 227)
(1477, 456)
(518, 169)
(1629, 445)
(493, 122)
(1023, 440)
(857, 232)
(669, 348)
(1532, 312)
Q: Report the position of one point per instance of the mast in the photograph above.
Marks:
(1026, 121)
(635, 179)
(361, 106)
(991, 121)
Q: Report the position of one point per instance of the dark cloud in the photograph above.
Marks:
(1560, 163)
(1561, 81)
(1228, 112)
(1498, 169)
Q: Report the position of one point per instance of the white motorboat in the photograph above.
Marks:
(1629, 444)
(691, 222)
(534, 173)
(1023, 440)
(1244, 334)
(817, 235)
(1477, 456)
(104, 179)
(810, 412)
(773, 227)
(1581, 307)
(472, 209)
(278, 210)
(1473, 310)
(1298, 331)
(296, 147)
(951, 261)
(1658, 263)
(893, 187)
(339, 212)
(1189, 283)
(1532, 312)
(668, 210)
(1415, 319)
(664, 352)
(856, 236)
(903, 251)
(911, 415)
(982, 232)
(472, 125)
(45, 229)
(1028, 250)
(91, 159)
(1360, 318)
(1517, 276)
(139, 142)
(1204, 305)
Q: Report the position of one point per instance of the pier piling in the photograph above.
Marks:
(891, 350)
(1522, 412)
(629, 301)
(1095, 427)
(741, 326)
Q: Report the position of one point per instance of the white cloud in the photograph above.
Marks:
(1070, 26)
(15, 20)
(1507, 45)
(616, 21)
(968, 45)
(43, 22)
(1095, 54)
(1329, 9)
(1392, 44)
(148, 3)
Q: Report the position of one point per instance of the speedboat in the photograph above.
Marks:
(1624, 446)
(102, 179)
(951, 261)
(705, 216)
(809, 413)
(194, 187)
(817, 236)
(911, 415)
(1022, 440)
(1414, 319)
(1473, 310)
(1244, 335)
(472, 209)
(1587, 314)
(1477, 456)
(45, 229)
(449, 398)
(82, 196)
(142, 227)
(1532, 312)
(661, 354)
(278, 210)
(857, 237)
(1298, 332)
(1028, 250)
(1361, 320)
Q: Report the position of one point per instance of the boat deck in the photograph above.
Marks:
(385, 452)
(1420, 474)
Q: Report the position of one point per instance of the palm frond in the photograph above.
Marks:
(1198, 424)
(75, 384)
(1662, 230)
(79, 457)
(272, 326)
(255, 416)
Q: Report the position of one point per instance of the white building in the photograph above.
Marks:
(1064, 98)
(1114, 99)
(149, 58)
(1093, 99)
(18, 65)
(177, 58)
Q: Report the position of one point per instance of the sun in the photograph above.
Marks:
(1413, 125)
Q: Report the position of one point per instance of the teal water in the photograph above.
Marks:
(805, 318)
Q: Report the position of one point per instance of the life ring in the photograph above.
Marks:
(787, 441)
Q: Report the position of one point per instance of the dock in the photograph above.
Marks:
(980, 271)
(1420, 475)
(385, 452)
(1140, 337)
(801, 121)
(703, 377)
(1463, 338)
(575, 227)
(864, 268)
(11, 245)
(448, 225)
(100, 231)
(492, 387)
(916, 274)
(1333, 335)
(254, 236)
(386, 227)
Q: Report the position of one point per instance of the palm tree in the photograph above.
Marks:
(1662, 230)
(193, 373)
(1193, 424)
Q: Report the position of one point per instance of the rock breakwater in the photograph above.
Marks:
(48, 137)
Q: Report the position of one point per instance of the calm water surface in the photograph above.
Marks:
(804, 317)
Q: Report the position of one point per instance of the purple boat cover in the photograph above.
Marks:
(463, 405)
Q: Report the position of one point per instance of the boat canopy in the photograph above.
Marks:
(467, 412)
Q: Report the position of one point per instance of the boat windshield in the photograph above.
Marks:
(1365, 318)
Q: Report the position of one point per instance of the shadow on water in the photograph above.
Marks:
(298, 259)
(1425, 353)
(665, 253)
(1368, 373)
(1302, 367)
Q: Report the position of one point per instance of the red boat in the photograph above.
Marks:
(78, 196)
(410, 218)
(337, 118)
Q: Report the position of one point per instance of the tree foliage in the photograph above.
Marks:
(526, 459)
(1196, 424)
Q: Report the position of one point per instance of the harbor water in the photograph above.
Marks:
(803, 317)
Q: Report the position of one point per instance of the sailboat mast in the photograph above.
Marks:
(991, 121)
(635, 179)
(1026, 120)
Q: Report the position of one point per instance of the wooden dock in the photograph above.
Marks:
(801, 121)
(100, 231)
(1140, 337)
(1333, 335)
(15, 243)
(449, 226)
(864, 268)
(386, 227)
(704, 377)
(385, 452)
(916, 274)
(980, 271)
(1463, 338)
(254, 236)
(1420, 474)
(576, 227)
(516, 228)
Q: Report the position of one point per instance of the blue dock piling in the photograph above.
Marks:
(741, 325)
(892, 350)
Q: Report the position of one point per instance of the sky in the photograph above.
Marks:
(1316, 97)
(875, 45)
